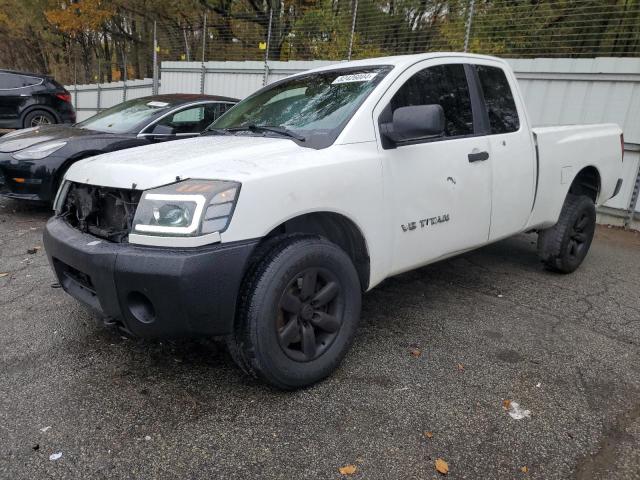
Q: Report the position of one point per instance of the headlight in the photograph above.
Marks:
(39, 151)
(190, 208)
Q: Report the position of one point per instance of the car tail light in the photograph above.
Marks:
(65, 97)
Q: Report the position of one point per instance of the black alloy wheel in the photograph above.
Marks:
(310, 316)
(578, 236)
(38, 118)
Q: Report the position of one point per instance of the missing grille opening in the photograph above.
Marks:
(101, 211)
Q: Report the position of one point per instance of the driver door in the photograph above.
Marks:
(438, 189)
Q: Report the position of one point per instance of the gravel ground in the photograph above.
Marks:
(439, 350)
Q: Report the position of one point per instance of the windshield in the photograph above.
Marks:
(123, 117)
(315, 106)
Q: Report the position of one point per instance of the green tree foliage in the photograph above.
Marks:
(90, 40)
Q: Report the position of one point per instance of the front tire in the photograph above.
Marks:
(564, 246)
(298, 313)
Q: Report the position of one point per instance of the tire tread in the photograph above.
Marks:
(551, 240)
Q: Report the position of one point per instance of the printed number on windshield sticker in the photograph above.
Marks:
(356, 77)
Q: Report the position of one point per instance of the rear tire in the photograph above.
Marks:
(38, 118)
(298, 313)
(564, 246)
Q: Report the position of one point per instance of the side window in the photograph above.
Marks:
(498, 98)
(215, 110)
(10, 81)
(193, 119)
(27, 81)
(445, 85)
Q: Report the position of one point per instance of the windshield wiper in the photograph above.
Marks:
(216, 131)
(266, 128)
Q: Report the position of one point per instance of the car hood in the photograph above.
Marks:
(209, 157)
(22, 139)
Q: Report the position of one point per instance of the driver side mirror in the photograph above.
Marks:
(414, 123)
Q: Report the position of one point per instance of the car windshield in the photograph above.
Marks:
(315, 106)
(123, 117)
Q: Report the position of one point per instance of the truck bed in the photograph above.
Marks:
(562, 152)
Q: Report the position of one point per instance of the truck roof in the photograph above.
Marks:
(403, 60)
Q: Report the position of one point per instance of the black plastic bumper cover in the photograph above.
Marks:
(38, 178)
(154, 292)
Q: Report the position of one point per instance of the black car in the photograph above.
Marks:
(33, 161)
(30, 100)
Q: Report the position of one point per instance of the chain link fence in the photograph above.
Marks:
(272, 37)
(275, 30)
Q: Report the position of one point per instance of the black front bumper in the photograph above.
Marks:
(37, 178)
(151, 292)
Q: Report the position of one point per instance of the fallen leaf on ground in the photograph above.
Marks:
(348, 470)
(442, 466)
(415, 352)
(428, 434)
(4, 274)
(33, 250)
(524, 469)
(506, 404)
(461, 367)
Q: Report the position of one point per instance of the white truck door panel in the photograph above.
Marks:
(512, 152)
(440, 202)
(513, 182)
(438, 197)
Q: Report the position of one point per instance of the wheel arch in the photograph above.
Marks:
(587, 182)
(336, 228)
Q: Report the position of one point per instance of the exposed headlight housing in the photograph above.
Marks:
(187, 209)
(39, 151)
(61, 196)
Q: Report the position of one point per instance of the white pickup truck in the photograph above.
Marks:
(268, 227)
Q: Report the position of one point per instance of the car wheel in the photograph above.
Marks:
(38, 118)
(564, 246)
(298, 313)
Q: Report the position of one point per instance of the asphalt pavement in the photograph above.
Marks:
(445, 358)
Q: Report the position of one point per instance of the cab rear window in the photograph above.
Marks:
(498, 99)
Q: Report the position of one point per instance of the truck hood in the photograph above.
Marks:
(22, 139)
(210, 157)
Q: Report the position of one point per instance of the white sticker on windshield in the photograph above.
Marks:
(354, 77)
(157, 104)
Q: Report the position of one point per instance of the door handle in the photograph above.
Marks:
(478, 157)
